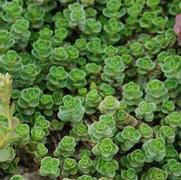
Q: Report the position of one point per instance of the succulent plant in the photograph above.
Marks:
(90, 89)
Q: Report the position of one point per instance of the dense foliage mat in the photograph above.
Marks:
(90, 89)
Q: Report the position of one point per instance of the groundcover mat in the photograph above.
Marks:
(90, 90)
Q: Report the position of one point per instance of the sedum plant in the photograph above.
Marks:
(76, 79)
(168, 107)
(37, 135)
(146, 132)
(105, 149)
(49, 167)
(69, 167)
(92, 101)
(127, 138)
(12, 11)
(145, 65)
(167, 133)
(11, 62)
(40, 152)
(171, 67)
(7, 40)
(113, 70)
(90, 89)
(42, 51)
(71, 110)
(104, 128)
(172, 167)
(35, 15)
(46, 104)
(20, 31)
(135, 160)
(92, 27)
(129, 174)
(75, 14)
(29, 99)
(66, 147)
(56, 78)
(154, 150)
(145, 110)
(122, 119)
(132, 94)
(155, 173)
(173, 119)
(85, 165)
(107, 168)
(80, 132)
(156, 91)
(109, 105)
(30, 74)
